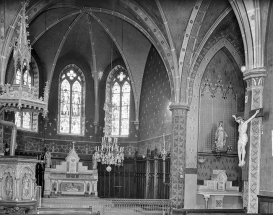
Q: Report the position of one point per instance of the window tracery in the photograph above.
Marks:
(71, 101)
(117, 104)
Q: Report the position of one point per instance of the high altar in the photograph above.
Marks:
(70, 178)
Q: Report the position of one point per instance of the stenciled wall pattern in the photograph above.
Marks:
(34, 143)
(155, 116)
(230, 164)
(221, 96)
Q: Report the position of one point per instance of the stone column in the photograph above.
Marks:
(2, 37)
(178, 152)
(254, 96)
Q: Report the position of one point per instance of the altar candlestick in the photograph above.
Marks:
(163, 158)
(163, 141)
(163, 170)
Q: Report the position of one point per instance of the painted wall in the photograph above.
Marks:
(33, 143)
(222, 95)
(155, 116)
(222, 88)
(133, 132)
(266, 162)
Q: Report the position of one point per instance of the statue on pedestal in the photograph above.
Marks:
(47, 159)
(220, 137)
(94, 162)
(243, 138)
(8, 186)
(25, 186)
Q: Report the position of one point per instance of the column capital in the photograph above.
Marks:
(254, 73)
(179, 106)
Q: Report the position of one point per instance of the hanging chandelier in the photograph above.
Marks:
(22, 95)
(109, 153)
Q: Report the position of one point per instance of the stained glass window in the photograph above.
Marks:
(120, 103)
(18, 77)
(125, 97)
(71, 101)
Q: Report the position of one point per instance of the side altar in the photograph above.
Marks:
(70, 178)
(223, 194)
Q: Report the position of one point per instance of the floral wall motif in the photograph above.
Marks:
(155, 116)
(230, 164)
(221, 96)
(34, 143)
(49, 129)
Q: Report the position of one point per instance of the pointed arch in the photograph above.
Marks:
(193, 99)
(71, 103)
(117, 102)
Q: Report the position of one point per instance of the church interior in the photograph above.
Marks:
(162, 102)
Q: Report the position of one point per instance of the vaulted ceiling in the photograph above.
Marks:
(100, 32)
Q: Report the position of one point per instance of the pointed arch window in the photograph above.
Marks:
(119, 108)
(71, 101)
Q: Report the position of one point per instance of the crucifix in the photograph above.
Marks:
(73, 144)
(243, 138)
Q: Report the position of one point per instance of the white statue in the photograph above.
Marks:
(47, 159)
(220, 136)
(243, 138)
(94, 161)
(25, 186)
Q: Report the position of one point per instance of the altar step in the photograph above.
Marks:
(70, 205)
(65, 211)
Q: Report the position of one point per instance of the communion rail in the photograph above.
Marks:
(136, 206)
(106, 206)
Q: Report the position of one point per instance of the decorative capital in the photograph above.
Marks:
(253, 73)
(254, 82)
(136, 123)
(183, 106)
